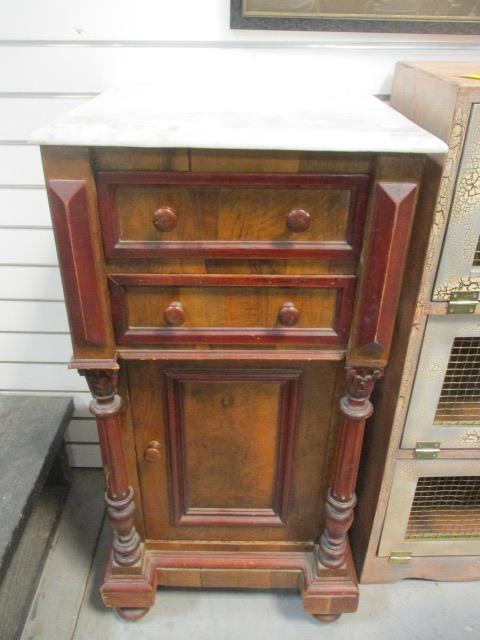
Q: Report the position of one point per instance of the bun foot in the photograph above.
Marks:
(131, 614)
(326, 618)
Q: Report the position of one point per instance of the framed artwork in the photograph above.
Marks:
(394, 16)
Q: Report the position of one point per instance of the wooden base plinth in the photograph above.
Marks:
(326, 593)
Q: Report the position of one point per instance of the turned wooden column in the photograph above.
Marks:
(356, 407)
(385, 249)
(106, 406)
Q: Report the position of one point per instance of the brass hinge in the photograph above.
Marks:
(427, 450)
(463, 302)
(400, 557)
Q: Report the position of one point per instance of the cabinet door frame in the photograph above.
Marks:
(405, 478)
(420, 425)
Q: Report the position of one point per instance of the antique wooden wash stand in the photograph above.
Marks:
(232, 282)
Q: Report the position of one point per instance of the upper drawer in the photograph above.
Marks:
(150, 214)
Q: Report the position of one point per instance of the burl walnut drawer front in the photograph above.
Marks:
(149, 214)
(158, 308)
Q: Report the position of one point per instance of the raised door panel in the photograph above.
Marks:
(459, 268)
(241, 451)
(445, 402)
(221, 471)
(433, 509)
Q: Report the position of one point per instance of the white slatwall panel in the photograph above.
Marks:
(18, 117)
(162, 22)
(35, 283)
(34, 376)
(86, 69)
(82, 443)
(21, 207)
(31, 316)
(20, 165)
(82, 431)
(28, 247)
(118, 19)
(32, 347)
(65, 52)
(84, 455)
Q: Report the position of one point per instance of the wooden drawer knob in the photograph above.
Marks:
(174, 314)
(165, 219)
(153, 452)
(288, 314)
(298, 220)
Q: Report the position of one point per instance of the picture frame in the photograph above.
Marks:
(372, 16)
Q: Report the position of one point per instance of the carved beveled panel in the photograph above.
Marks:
(70, 216)
(383, 265)
(434, 508)
(445, 401)
(459, 268)
(230, 444)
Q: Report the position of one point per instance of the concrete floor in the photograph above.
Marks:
(67, 605)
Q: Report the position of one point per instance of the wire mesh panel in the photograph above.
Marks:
(445, 508)
(433, 508)
(445, 402)
(460, 396)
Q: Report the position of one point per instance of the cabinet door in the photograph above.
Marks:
(434, 509)
(459, 268)
(445, 402)
(233, 451)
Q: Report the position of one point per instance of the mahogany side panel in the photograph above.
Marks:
(69, 209)
(287, 382)
(384, 262)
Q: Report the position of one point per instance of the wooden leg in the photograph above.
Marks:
(106, 407)
(339, 510)
(131, 614)
(327, 618)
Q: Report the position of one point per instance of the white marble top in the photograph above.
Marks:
(226, 117)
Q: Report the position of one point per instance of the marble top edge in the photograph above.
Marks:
(140, 116)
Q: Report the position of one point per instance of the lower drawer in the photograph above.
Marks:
(157, 308)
